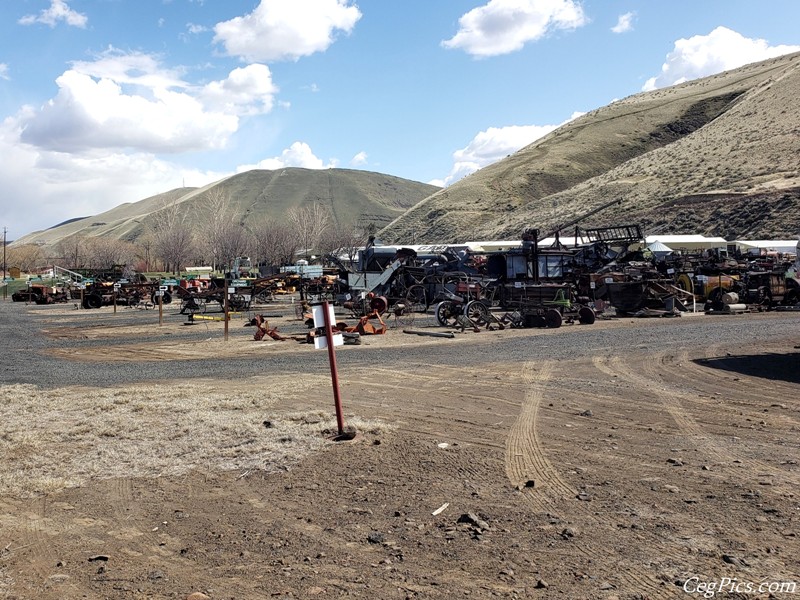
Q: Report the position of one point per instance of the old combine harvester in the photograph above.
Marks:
(530, 286)
(399, 280)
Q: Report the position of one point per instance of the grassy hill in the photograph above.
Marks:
(350, 195)
(719, 155)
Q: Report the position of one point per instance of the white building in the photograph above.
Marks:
(756, 246)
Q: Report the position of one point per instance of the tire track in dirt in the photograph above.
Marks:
(664, 362)
(136, 529)
(669, 400)
(525, 459)
(712, 380)
(670, 397)
(37, 545)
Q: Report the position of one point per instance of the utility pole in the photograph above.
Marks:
(5, 283)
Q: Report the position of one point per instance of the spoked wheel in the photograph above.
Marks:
(447, 313)
(403, 315)
(553, 319)
(417, 299)
(476, 311)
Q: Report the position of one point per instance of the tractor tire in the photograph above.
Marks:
(586, 315)
(93, 301)
(553, 318)
(684, 282)
(792, 297)
(165, 299)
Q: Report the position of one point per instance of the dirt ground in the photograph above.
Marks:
(644, 474)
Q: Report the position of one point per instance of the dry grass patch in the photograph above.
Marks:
(58, 438)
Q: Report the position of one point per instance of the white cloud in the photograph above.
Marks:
(246, 91)
(299, 154)
(624, 23)
(4, 71)
(704, 55)
(58, 11)
(492, 145)
(135, 68)
(280, 30)
(359, 160)
(504, 26)
(66, 186)
(129, 101)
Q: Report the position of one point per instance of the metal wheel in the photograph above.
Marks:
(379, 304)
(403, 316)
(447, 313)
(477, 312)
(417, 299)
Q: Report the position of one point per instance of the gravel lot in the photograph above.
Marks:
(29, 354)
(617, 461)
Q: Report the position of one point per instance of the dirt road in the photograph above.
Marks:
(633, 472)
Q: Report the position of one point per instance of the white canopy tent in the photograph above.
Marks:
(659, 248)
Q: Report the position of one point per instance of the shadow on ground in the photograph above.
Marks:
(783, 366)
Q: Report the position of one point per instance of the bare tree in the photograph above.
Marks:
(144, 251)
(72, 250)
(105, 253)
(26, 257)
(309, 223)
(344, 241)
(274, 242)
(218, 224)
(172, 236)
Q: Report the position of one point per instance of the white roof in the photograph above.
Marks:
(658, 246)
(684, 239)
(768, 243)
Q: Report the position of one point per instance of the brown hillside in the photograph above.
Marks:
(717, 155)
(350, 195)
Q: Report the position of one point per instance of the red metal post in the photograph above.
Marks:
(225, 308)
(334, 371)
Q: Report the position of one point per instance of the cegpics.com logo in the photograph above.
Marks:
(727, 585)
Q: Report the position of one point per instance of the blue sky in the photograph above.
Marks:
(111, 101)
